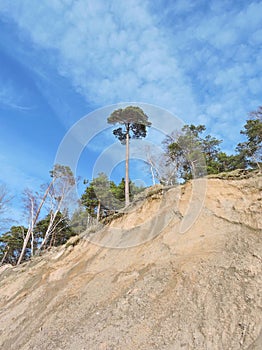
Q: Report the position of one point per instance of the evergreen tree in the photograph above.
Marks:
(81, 219)
(133, 123)
(251, 150)
(186, 151)
(102, 196)
(11, 244)
(98, 196)
(211, 150)
(119, 191)
(189, 149)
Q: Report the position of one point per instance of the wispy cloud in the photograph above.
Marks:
(219, 47)
(111, 51)
(201, 60)
(10, 99)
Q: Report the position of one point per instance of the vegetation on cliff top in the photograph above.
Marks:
(187, 154)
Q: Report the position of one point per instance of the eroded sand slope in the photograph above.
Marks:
(197, 290)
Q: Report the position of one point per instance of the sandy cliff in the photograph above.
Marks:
(155, 288)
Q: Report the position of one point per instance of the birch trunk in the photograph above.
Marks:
(31, 227)
(49, 229)
(127, 168)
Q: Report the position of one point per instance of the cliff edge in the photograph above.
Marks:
(139, 282)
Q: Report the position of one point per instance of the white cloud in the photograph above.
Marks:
(186, 56)
(221, 49)
(111, 52)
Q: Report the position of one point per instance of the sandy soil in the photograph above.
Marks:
(139, 283)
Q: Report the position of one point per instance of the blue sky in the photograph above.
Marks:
(63, 59)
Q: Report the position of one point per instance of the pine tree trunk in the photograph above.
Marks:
(127, 169)
(98, 211)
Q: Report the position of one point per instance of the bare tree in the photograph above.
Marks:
(5, 199)
(59, 197)
(161, 169)
(34, 212)
(31, 202)
(56, 197)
